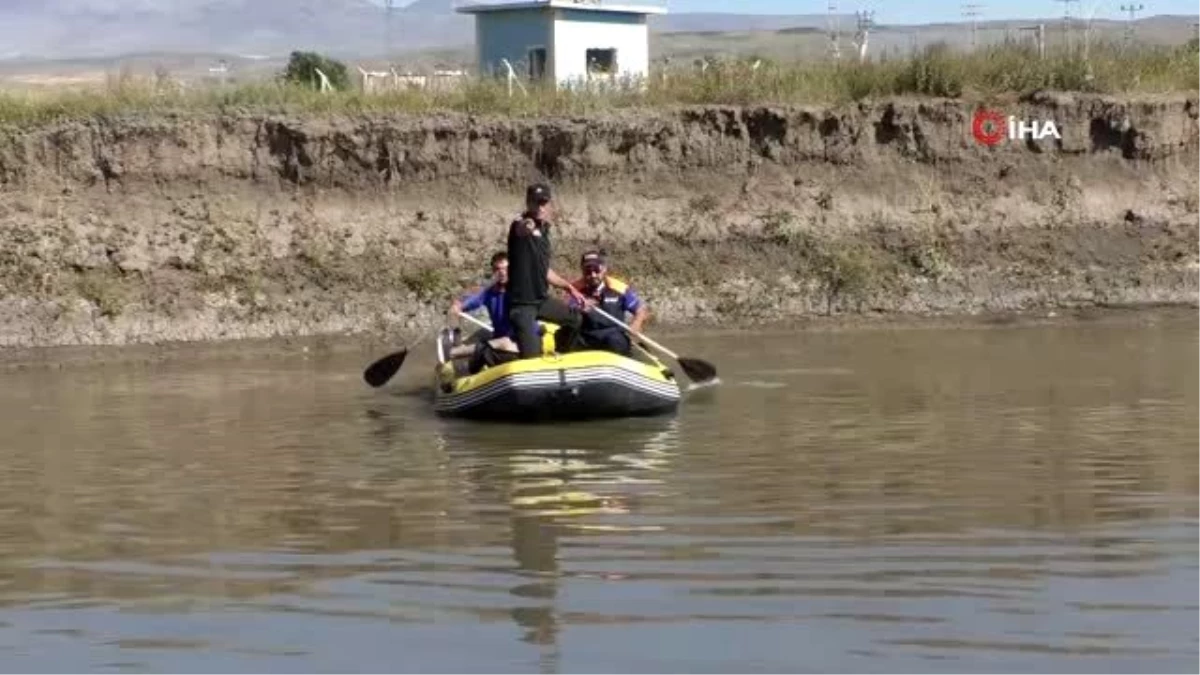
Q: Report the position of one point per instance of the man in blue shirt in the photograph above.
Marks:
(499, 348)
(616, 297)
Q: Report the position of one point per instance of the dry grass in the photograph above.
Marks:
(934, 72)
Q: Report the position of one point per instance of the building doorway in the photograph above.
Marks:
(537, 63)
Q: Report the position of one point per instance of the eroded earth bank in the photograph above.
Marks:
(194, 227)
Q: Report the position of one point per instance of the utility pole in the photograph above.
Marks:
(865, 21)
(835, 51)
(1067, 21)
(387, 30)
(971, 11)
(1132, 10)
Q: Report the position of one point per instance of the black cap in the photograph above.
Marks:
(538, 193)
(592, 258)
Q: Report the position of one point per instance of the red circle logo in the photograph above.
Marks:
(988, 126)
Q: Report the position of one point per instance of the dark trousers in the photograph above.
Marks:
(612, 339)
(487, 356)
(524, 318)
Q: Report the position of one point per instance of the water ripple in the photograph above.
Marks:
(1013, 500)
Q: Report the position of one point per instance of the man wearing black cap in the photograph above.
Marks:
(616, 297)
(530, 276)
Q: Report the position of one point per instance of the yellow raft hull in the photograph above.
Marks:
(576, 385)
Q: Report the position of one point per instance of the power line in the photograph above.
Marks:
(971, 11)
(1067, 21)
(1129, 25)
(865, 22)
(834, 49)
(387, 28)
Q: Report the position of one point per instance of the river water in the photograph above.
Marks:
(941, 499)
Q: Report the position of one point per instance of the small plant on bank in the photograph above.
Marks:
(428, 283)
(704, 204)
(302, 71)
(102, 290)
(780, 226)
(847, 274)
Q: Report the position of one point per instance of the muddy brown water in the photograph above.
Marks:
(973, 499)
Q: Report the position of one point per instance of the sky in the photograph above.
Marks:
(923, 11)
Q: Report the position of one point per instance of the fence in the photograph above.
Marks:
(391, 80)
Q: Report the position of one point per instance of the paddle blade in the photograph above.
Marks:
(377, 374)
(698, 370)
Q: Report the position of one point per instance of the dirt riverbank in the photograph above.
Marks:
(151, 229)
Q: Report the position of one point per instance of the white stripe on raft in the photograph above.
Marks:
(453, 402)
(551, 380)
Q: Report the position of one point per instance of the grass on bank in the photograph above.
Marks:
(936, 71)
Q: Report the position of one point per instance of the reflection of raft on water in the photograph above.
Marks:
(570, 386)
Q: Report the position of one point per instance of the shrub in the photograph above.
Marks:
(302, 70)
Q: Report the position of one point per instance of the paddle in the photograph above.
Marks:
(499, 344)
(377, 374)
(482, 324)
(697, 370)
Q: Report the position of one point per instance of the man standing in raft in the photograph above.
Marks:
(530, 276)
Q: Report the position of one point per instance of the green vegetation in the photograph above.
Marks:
(104, 290)
(302, 70)
(936, 71)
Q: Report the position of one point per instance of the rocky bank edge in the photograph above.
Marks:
(145, 229)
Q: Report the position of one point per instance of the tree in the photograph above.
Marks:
(302, 70)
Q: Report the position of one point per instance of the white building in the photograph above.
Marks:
(566, 41)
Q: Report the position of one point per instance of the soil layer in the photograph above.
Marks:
(142, 230)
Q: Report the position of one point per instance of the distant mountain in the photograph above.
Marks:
(699, 22)
(101, 28)
(94, 28)
(673, 22)
(430, 7)
(65, 29)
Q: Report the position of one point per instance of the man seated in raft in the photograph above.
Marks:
(616, 297)
(500, 348)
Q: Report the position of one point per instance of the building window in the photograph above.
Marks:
(537, 63)
(602, 61)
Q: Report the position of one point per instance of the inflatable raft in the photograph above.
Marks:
(573, 386)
